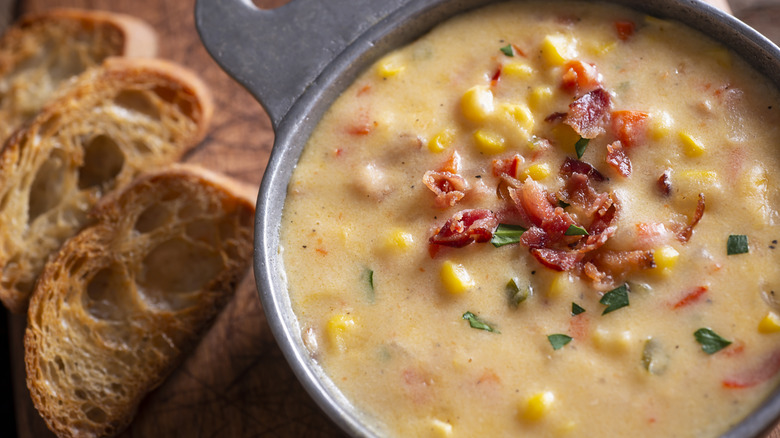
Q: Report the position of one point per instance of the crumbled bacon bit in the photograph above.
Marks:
(558, 260)
(664, 183)
(580, 77)
(449, 188)
(570, 166)
(465, 227)
(589, 113)
(685, 234)
(616, 264)
(508, 166)
(555, 117)
(617, 158)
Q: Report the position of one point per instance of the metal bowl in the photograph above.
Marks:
(297, 59)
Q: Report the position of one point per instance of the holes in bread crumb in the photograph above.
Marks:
(137, 101)
(103, 160)
(109, 294)
(118, 389)
(94, 413)
(153, 217)
(174, 267)
(47, 187)
(80, 394)
(202, 230)
(76, 265)
(177, 98)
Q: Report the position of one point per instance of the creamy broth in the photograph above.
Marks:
(428, 339)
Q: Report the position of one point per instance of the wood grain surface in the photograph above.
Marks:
(236, 383)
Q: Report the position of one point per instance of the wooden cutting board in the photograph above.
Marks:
(236, 383)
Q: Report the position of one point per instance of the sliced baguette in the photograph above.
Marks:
(124, 299)
(41, 51)
(127, 116)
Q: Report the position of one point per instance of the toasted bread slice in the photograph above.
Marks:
(124, 299)
(41, 51)
(127, 116)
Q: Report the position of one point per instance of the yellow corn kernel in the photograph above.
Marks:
(537, 172)
(665, 258)
(399, 240)
(455, 278)
(489, 142)
(441, 141)
(540, 98)
(520, 114)
(560, 283)
(477, 103)
(390, 66)
(602, 48)
(691, 146)
(660, 125)
(610, 341)
(770, 323)
(338, 329)
(537, 406)
(441, 429)
(701, 177)
(517, 70)
(722, 56)
(557, 49)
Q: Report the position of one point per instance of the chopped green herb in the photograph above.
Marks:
(558, 341)
(580, 146)
(710, 341)
(654, 358)
(563, 204)
(477, 323)
(506, 234)
(576, 309)
(575, 230)
(615, 299)
(508, 51)
(368, 277)
(517, 293)
(737, 244)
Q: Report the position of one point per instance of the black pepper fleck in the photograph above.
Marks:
(478, 176)
(533, 272)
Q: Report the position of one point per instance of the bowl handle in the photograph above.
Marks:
(276, 54)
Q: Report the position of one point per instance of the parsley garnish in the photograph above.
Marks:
(575, 230)
(508, 51)
(517, 293)
(615, 299)
(576, 309)
(506, 234)
(710, 341)
(580, 146)
(368, 276)
(558, 341)
(477, 323)
(737, 244)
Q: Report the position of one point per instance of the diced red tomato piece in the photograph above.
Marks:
(764, 371)
(691, 297)
(625, 29)
(580, 77)
(630, 127)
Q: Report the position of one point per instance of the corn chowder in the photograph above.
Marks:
(544, 219)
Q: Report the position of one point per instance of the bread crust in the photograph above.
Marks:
(109, 320)
(43, 50)
(96, 135)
